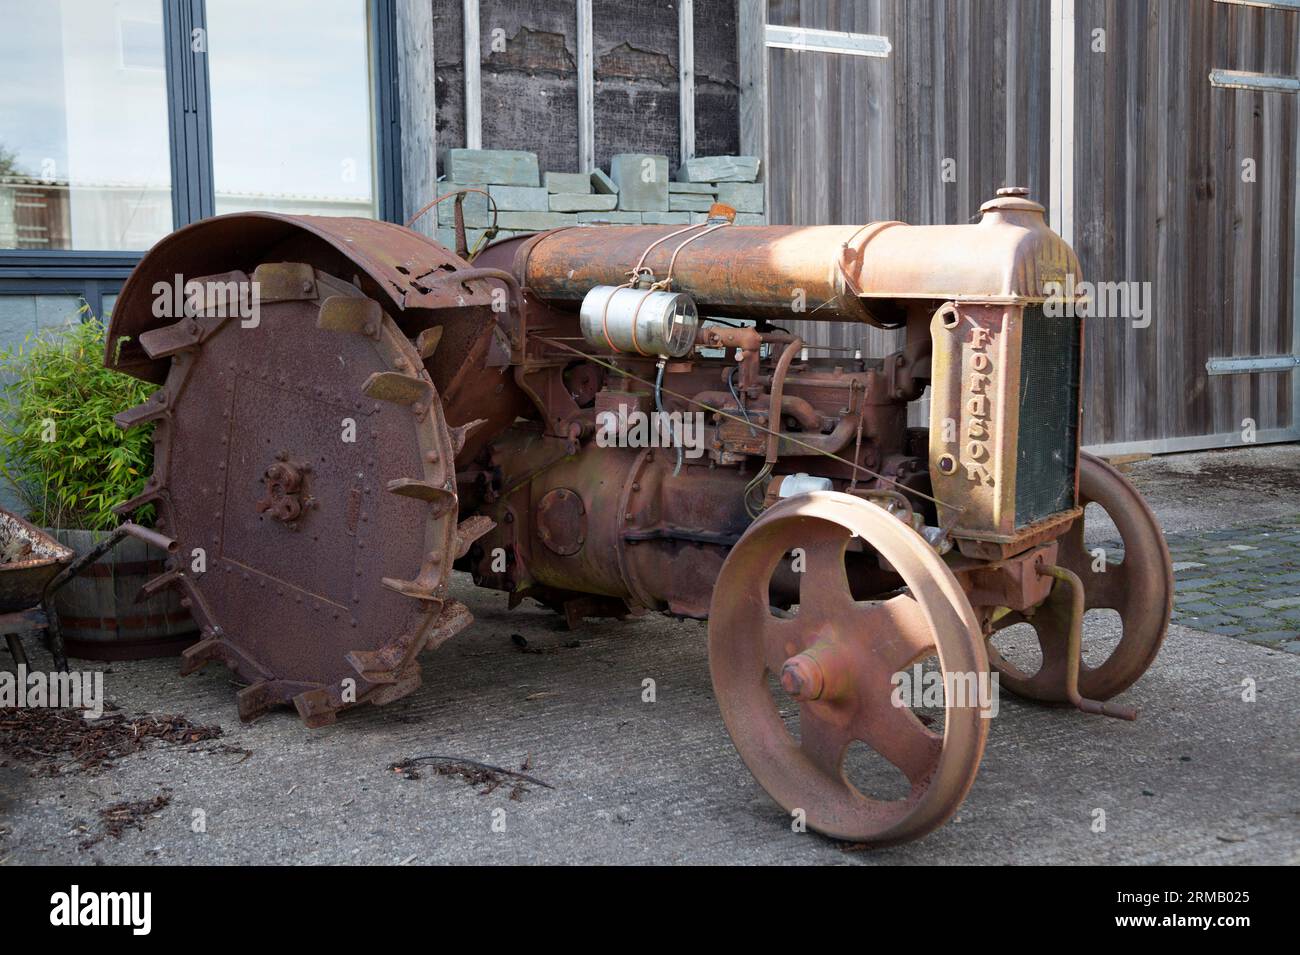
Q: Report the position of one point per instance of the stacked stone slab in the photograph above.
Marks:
(731, 180)
(637, 190)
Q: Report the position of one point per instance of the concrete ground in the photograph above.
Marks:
(1202, 777)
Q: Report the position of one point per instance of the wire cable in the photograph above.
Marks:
(659, 406)
(785, 437)
(731, 385)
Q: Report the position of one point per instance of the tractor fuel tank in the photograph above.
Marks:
(841, 272)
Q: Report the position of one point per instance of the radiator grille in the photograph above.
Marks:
(1049, 416)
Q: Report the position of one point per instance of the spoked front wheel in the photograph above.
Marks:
(837, 658)
(1140, 588)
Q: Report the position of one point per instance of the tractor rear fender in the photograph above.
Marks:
(403, 270)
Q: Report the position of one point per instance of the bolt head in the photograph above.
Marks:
(802, 678)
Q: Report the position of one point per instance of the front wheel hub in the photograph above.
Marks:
(840, 658)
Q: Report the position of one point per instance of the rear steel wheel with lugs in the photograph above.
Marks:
(836, 657)
(303, 465)
(1140, 588)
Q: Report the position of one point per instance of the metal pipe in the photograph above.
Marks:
(747, 272)
(798, 408)
(832, 443)
(484, 272)
(777, 392)
(128, 528)
(1074, 650)
(151, 537)
(827, 273)
(96, 552)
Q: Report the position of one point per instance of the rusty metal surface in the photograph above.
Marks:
(482, 440)
(1010, 253)
(614, 522)
(847, 273)
(1140, 588)
(31, 559)
(836, 658)
(747, 271)
(318, 582)
(562, 521)
(397, 267)
(1064, 608)
(975, 415)
(975, 426)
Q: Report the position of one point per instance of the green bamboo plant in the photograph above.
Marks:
(59, 448)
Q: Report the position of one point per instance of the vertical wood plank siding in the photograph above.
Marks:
(1158, 187)
(418, 112)
(1160, 199)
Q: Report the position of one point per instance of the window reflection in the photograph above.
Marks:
(291, 106)
(84, 161)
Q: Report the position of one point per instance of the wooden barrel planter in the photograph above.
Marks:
(97, 609)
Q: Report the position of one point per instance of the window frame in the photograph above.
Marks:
(91, 290)
(93, 274)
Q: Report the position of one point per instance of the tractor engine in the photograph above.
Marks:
(612, 420)
(636, 501)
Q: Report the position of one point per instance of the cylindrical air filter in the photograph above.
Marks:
(639, 321)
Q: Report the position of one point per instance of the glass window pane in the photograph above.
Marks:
(291, 106)
(84, 161)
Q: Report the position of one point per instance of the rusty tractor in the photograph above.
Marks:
(389, 411)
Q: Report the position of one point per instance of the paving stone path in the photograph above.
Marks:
(1241, 581)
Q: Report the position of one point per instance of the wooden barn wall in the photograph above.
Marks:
(1158, 192)
(1159, 198)
(449, 75)
(717, 79)
(529, 90)
(858, 139)
(634, 44)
